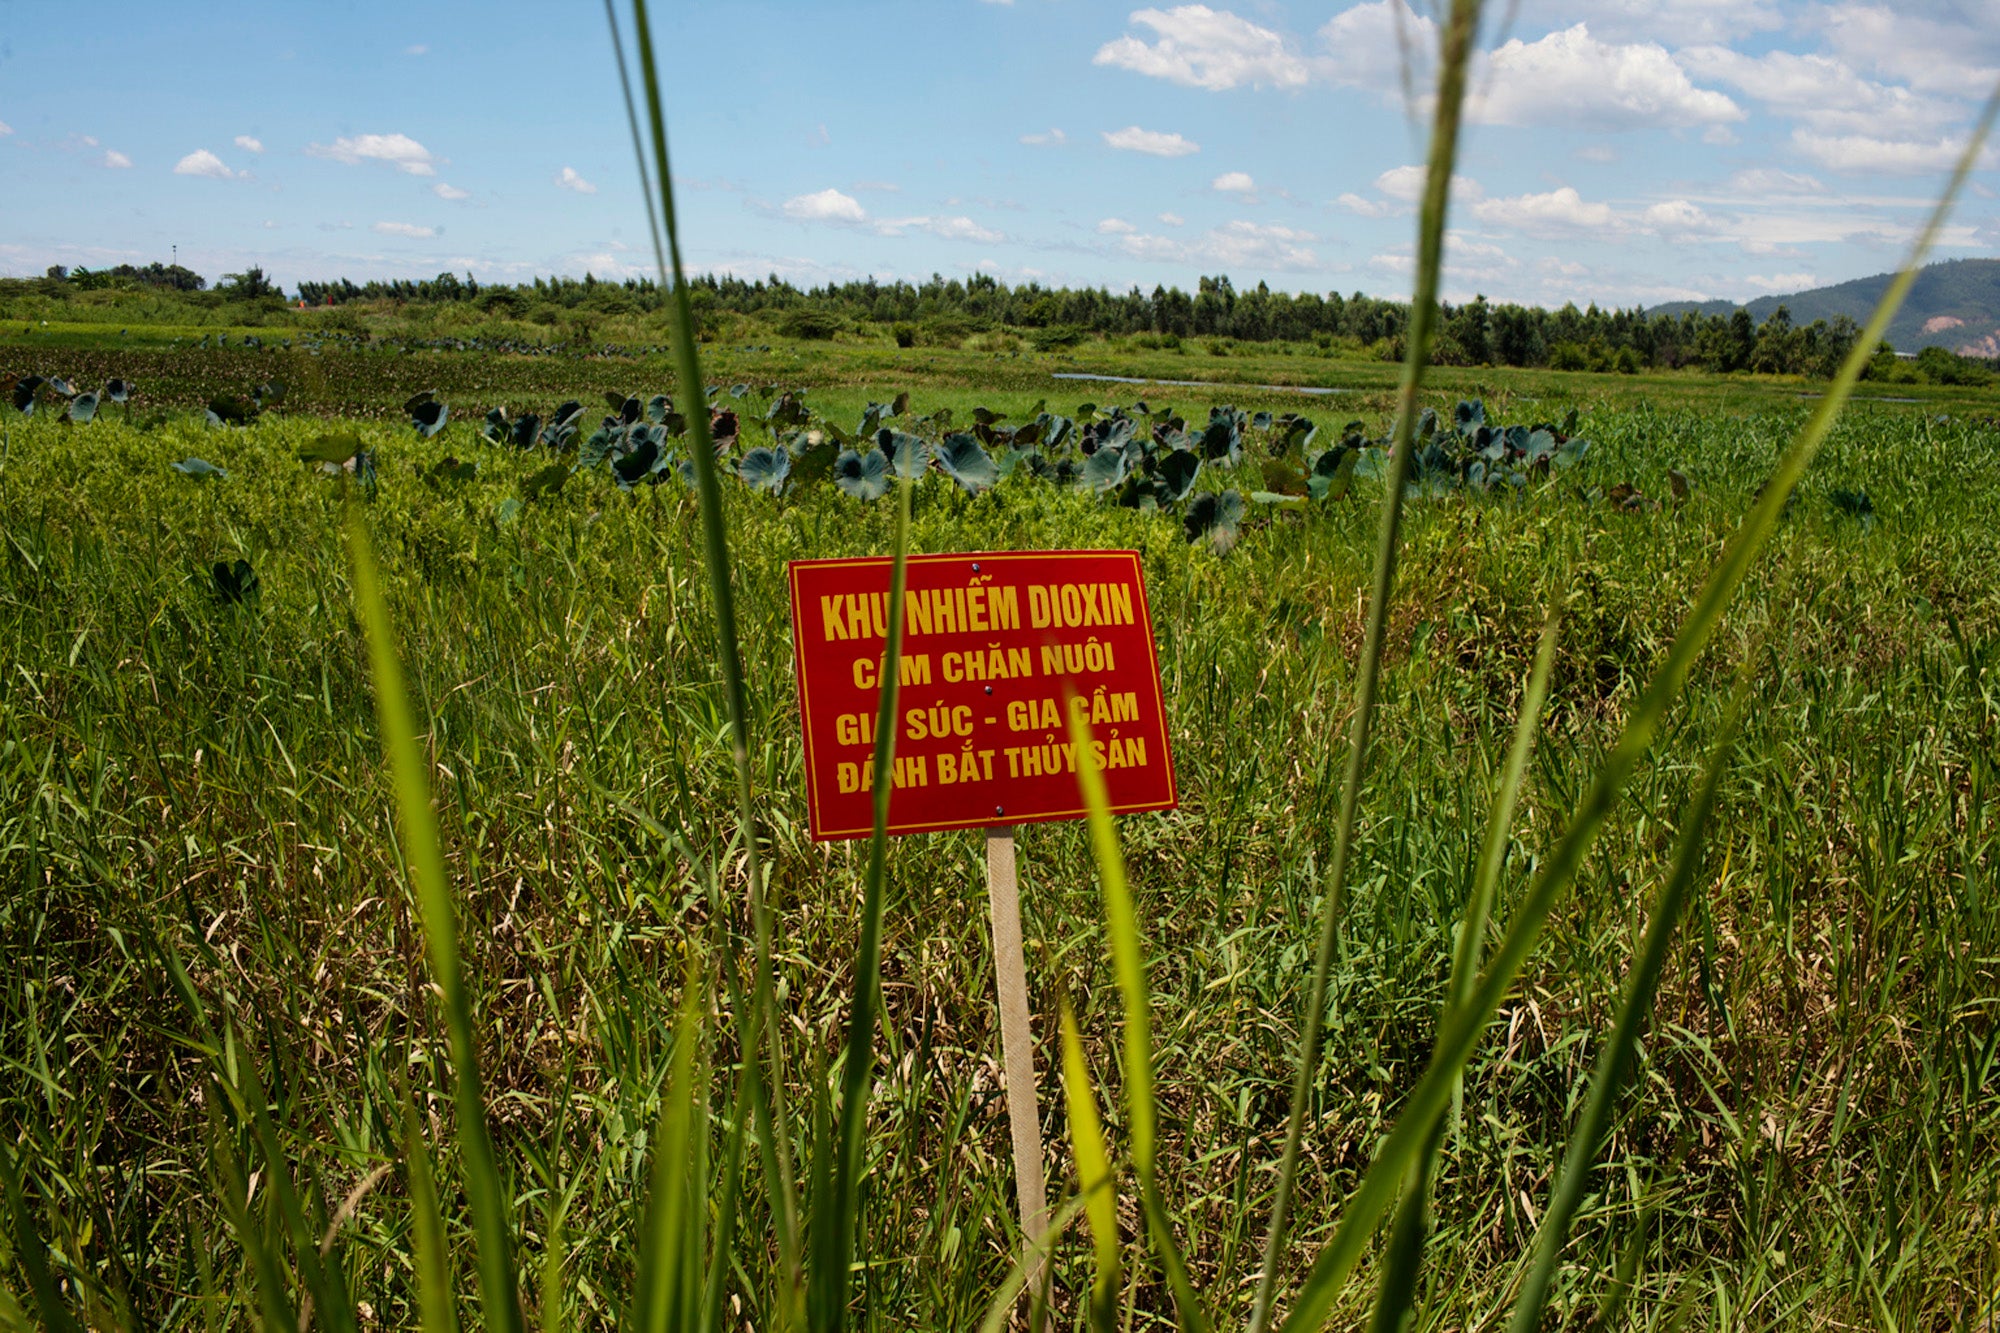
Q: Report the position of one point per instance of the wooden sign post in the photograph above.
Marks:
(1017, 1038)
(996, 645)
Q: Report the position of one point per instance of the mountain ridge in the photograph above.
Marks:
(1954, 304)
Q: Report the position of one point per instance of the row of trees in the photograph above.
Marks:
(948, 310)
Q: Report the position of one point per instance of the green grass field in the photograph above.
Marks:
(1811, 1138)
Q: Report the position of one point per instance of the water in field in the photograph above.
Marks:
(1196, 384)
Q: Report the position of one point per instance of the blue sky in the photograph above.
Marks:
(1626, 151)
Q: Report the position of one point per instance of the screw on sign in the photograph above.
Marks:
(999, 650)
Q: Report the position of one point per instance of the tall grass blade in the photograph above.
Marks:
(1455, 55)
(1093, 1176)
(434, 1294)
(1128, 965)
(1033, 1258)
(1458, 1037)
(834, 1235)
(669, 1283)
(726, 1209)
(715, 541)
(834, 1228)
(498, 1290)
(325, 1287)
(1403, 1259)
(550, 1306)
(274, 1302)
(31, 1251)
(1612, 1062)
(1500, 820)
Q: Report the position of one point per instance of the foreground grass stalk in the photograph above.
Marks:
(1616, 1056)
(30, 1250)
(417, 822)
(1403, 1260)
(1458, 1037)
(1121, 920)
(669, 1282)
(715, 536)
(1454, 57)
(835, 1225)
(1093, 1175)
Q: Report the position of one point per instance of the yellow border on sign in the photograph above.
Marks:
(792, 569)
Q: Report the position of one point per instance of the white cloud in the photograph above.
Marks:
(1821, 92)
(1115, 227)
(1173, 219)
(1601, 153)
(1234, 182)
(1051, 138)
(1762, 182)
(1237, 245)
(1132, 139)
(1673, 22)
(409, 229)
(443, 191)
(1677, 217)
(1367, 208)
(397, 150)
(1782, 282)
(828, 205)
(5, 129)
(115, 159)
(418, 50)
(249, 144)
(1406, 185)
(1571, 78)
(1866, 153)
(957, 229)
(1937, 46)
(201, 162)
(1199, 47)
(568, 179)
(1565, 78)
(1376, 45)
(1560, 212)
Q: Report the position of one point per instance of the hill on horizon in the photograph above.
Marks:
(1954, 304)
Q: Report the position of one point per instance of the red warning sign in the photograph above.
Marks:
(993, 645)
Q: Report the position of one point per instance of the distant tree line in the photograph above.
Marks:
(167, 277)
(947, 311)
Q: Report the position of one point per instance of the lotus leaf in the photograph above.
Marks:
(334, 449)
(863, 475)
(429, 417)
(961, 459)
(235, 583)
(1177, 472)
(1215, 520)
(765, 469)
(546, 481)
(1104, 469)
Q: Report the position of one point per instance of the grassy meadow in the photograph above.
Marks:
(194, 779)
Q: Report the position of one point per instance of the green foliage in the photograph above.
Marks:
(183, 781)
